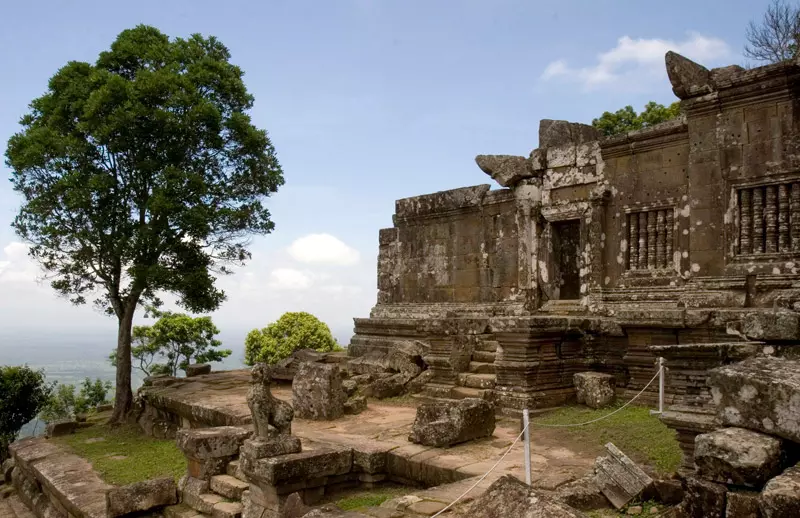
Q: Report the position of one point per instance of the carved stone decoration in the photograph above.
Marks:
(758, 220)
(783, 218)
(633, 240)
(669, 223)
(651, 240)
(507, 170)
(795, 217)
(271, 416)
(661, 235)
(687, 77)
(642, 240)
(771, 220)
(745, 222)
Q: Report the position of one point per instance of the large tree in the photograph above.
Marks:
(143, 174)
(774, 39)
(626, 119)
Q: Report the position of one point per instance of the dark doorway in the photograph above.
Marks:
(566, 255)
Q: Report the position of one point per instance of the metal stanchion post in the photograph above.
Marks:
(527, 438)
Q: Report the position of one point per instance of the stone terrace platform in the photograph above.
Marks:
(219, 399)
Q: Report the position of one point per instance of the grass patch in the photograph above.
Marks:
(123, 455)
(404, 400)
(370, 498)
(633, 430)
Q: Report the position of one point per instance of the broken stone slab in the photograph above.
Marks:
(781, 496)
(583, 494)
(558, 133)
(619, 478)
(760, 393)
(507, 170)
(703, 498)
(508, 497)
(668, 491)
(350, 387)
(739, 457)
(61, 427)
(417, 384)
(197, 369)
(452, 422)
(741, 504)
(317, 392)
(355, 405)
(405, 357)
(313, 464)
(595, 389)
(771, 325)
(216, 442)
(141, 496)
(286, 369)
(390, 386)
(260, 448)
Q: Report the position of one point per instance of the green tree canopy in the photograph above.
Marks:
(142, 173)
(23, 393)
(289, 333)
(65, 403)
(173, 342)
(626, 119)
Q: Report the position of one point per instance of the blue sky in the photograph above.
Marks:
(366, 101)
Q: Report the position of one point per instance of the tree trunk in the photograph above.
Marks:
(123, 398)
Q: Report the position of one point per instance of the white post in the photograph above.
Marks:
(660, 410)
(527, 438)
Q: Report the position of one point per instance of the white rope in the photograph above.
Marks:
(605, 416)
(462, 495)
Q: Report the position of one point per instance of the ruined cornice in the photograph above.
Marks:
(645, 139)
(449, 203)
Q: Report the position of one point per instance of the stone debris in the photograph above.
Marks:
(317, 392)
(703, 499)
(355, 405)
(448, 423)
(595, 389)
(739, 457)
(619, 478)
(141, 496)
(760, 393)
(507, 170)
(404, 357)
(286, 369)
(583, 494)
(61, 427)
(781, 496)
(387, 387)
(197, 369)
(741, 504)
(508, 497)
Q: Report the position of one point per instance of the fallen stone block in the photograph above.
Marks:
(704, 498)
(59, 428)
(141, 496)
(448, 423)
(583, 494)
(417, 385)
(197, 369)
(760, 393)
(302, 466)
(355, 405)
(595, 389)
(317, 392)
(781, 496)
(219, 441)
(741, 504)
(508, 497)
(668, 491)
(390, 386)
(619, 478)
(286, 369)
(739, 457)
(350, 387)
(507, 170)
(260, 448)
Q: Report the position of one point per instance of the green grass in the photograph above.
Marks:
(633, 430)
(370, 498)
(124, 454)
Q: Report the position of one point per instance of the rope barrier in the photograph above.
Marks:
(462, 495)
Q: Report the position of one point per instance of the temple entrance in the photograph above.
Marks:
(566, 239)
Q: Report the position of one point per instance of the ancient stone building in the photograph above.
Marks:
(595, 249)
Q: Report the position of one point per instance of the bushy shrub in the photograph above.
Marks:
(65, 403)
(23, 393)
(293, 331)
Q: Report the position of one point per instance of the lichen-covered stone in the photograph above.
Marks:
(207, 443)
(582, 494)
(350, 387)
(403, 357)
(260, 447)
(595, 389)
(738, 456)
(271, 416)
(390, 386)
(59, 428)
(286, 369)
(781, 496)
(355, 405)
(687, 77)
(317, 392)
(448, 423)
(508, 497)
(197, 369)
(741, 504)
(141, 496)
(760, 393)
(507, 170)
(704, 498)
(312, 464)
(619, 478)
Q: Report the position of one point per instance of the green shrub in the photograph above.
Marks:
(23, 393)
(289, 333)
(65, 403)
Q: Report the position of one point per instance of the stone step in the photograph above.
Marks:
(17, 507)
(467, 392)
(233, 470)
(204, 502)
(483, 356)
(488, 346)
(228, 486)
(481, 368)
(227, 510)
(478, 381)
(181, 511)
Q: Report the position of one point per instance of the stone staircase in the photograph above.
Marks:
(481, 375)
(221, 498)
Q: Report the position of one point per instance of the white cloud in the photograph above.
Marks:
(289, 279)
(635, 60)
(323, 249)
(17, 266)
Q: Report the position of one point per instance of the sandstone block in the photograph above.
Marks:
(738, 456)
(227, 510)
(228, 486)
(508, 497)
(350, 387)
(211, 443)
(448, 423)
(760, 393)
(741, 504)
(391, 386)
(197, 369)
(583, 494)
(301, 466)
(286, 369)
(507, 170)
(355, 405)
(260, 448)
(317, 392)
(59, 428)
(417, 384)
(781, 496)
(141, 496)
(619, 478)
(704, 498)
(668, 491)
(403, 357)
(595, 389)
(7, 468)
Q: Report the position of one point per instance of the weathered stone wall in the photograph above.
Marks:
(453, 246)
